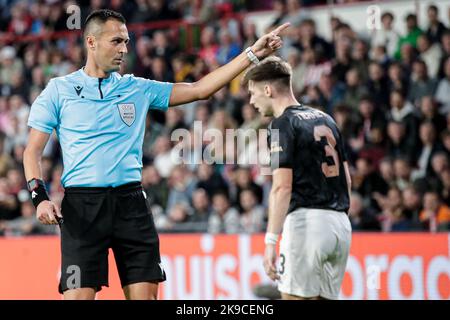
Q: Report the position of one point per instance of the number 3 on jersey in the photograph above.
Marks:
(321, 131)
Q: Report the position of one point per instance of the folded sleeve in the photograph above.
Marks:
(44, 110)
(158, 93)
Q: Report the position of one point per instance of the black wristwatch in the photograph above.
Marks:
(34, 183)
(38, 191)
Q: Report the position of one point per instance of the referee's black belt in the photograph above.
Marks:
(132, 186)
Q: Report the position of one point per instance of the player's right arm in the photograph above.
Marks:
(43, 119)
(282, 144)
(279, 199)
(32, 156)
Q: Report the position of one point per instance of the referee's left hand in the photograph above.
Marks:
(269, 43)
(270, 258)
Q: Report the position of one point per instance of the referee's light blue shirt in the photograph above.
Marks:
(100, 124)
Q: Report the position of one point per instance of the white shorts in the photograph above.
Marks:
(313, 253)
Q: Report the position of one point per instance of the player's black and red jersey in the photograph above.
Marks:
(309, 142)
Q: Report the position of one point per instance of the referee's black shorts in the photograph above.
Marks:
(96, 219)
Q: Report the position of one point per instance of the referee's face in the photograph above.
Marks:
(111, 46)
(260, 98)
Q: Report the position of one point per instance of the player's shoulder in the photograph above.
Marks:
(311, 113)
(66, 83)
(70, 78)
(281, 122)
(131, 81)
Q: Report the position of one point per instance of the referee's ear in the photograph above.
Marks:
(90, 42)
(268, 90)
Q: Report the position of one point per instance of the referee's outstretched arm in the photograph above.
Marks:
(46, 211)
(187, 92)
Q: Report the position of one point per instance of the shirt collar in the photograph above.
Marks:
(95, 79)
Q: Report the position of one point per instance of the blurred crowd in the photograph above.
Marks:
(389, 94)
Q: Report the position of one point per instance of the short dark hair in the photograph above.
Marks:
(426, 37)
(433, 8)
(445, 133)
(272, 69)
(101, 16)
(387, 14)
(400, 92)
(308, 21)
(411, 16)
(367, 98)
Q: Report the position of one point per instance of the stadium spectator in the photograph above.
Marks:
(428, 110)
(224, 218)
(430, 146)
(387, 171)
(445, 138)
(10, 64)
(370, 117)
(156, 186)
(361, 217)
(408, 55)
(201, 212)
(162, 154)
(9, 203)
(228, 47)
(412, 202)
(393, 217)
(430, 53)
(412, 33)
(209, 49)
(181, 186)
(421, 84)
(377, 85)
(354, 89)
(402, 110)
(402, 172)
(366, 181)
(435, 27)
(360, 57)
(307, 38)
(445, 43)
(387, 36)
(445, 192)
(212, 182)
(159, 70)
(439, 163)
(342, 62)
(252, 215)
(244, 181)
(435, 215)
(442, 94)
(398, 78)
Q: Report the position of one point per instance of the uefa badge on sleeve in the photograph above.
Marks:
(127, 113)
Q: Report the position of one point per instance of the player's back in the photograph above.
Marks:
(310, 143)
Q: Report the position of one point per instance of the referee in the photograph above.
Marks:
(99, 118)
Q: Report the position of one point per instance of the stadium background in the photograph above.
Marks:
(390, 98)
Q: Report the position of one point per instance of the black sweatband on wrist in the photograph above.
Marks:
(39, 194)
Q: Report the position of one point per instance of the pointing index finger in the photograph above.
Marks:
(280, 28)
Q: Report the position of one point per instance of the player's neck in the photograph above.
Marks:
(282, 103)
(93, 70)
